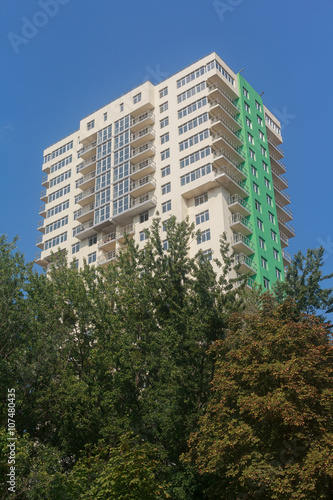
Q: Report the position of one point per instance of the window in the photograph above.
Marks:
(57, 194)
(255, 188)
(203, 236)
(121, 188)
(191, 92)
(195, 174)
(102, 181)
(203, 69)
(208, 254)
(55, 241)
(104, 134)
(144, 217)
(267, 183)
(258, 106)
(202, 217)
(103, 149)
(262, 243)
(248, 122)
(165, 138)
(165, 225)
(92, 240)
(58, 152)
(278, 273)
(164, 107)
(265, 166)
(260, 224)
(261, 135)
(263, 263)
(166, 188)
(165, 171)
(57, 209)
(166, 206)
(164, 122)
(250, 138)
(165, 245)
(122, 125)
(269, 200)
(121, 107)
(245, 92)
(75, 264)
(121, 171)
(247, 107)
(75, 248)
(273, 235)
(275, 254)
(103, 197)
(91, 258)
(199, 120)
(263, 151)
(137, 98)
(259, 120)
(91, 125)
(266, 283)
(272, 124)
(102, 214)
(105, 116)
(60, 178)
(164, 92)
(252, 154)
(254, 171)
(194, 139)
(60, 164)
(271, 218)
(199, 200)
(192, 107)
(198, 155)
(165, 154)
(258, 206)
(143, 235)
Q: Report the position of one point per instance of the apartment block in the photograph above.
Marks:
(201, 144)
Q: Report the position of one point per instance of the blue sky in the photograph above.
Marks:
(84, 54)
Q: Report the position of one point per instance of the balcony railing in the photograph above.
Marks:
(86, 178)
(218, 87)
(280, 150)
(281, 177)
(277, 160)
(107, 239)
(234, 130)
(285, 209)
(141, 118)
(241, 258)
(285, 195)
(142, 182)
(83, 227)
(284, 238)
(84, 194)
(238, 199)
(142, 133)
(86, 163)
(83, 211)
(149, 146)
(107, 257)
(234, 218)
(239, 237)
(222, 153)
(39, 240)
(87, 148)
(142, 165)
(232, 144)
(40, 225)
(287, 225)
(224, 170)
(287, 256)
(38, 256)
(43, 194)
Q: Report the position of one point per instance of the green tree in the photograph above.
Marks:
(303, 283)
(267, 431)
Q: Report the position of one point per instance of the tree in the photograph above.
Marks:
(267, 431)
(303, 283)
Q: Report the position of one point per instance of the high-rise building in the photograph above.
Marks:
(199, 144)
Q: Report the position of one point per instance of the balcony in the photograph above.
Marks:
(122, 232)
(144, 120)
(88, 150)
(241, 244)
(278, 180)
(142, 186)
(42, 211)
(143, 168)
(231, 182)
(218, 93)
(287, 228)
(287, 258)
(45, 181)
(281, 197)
(143, 152)
(144, 135)
(237, 204)
(222, 158)
(220, 124)
(239, 224)
(283, 212)
(272, 134)
(86, 197)
(43, 196)
(277, 164)
(87, 181)
(221, 141)
(87, 166)
(84, 214)
(108, 242)
(85, 230)
(39, 242)
(107, 257)
(247, 266)
(136, 206)
(41, 227)
(284, 240)
(275, 149)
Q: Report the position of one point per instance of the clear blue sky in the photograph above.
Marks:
(90, 52)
